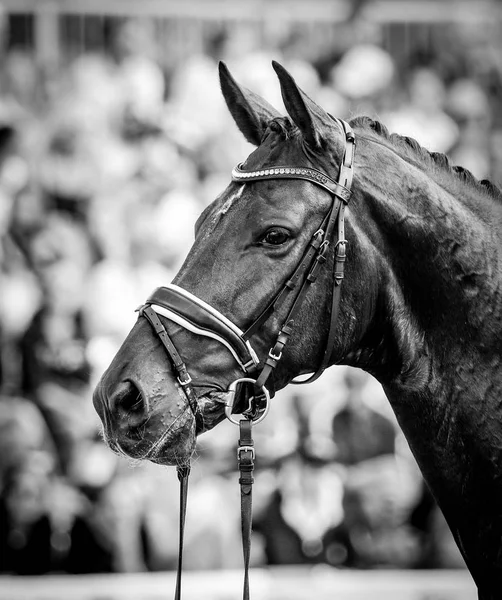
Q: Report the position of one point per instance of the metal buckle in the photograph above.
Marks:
(232, 388)
(323, 248)
(274, 356)
(339, 244)
(246, 449)
(187, 381)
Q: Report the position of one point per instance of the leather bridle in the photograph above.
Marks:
(180, 306)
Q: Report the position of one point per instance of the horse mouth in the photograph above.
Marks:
(172, 444)
(176, 444)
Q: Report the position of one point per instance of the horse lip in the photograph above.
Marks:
(166, 449)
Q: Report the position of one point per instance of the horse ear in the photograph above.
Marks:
(307, 115)
(251, 113)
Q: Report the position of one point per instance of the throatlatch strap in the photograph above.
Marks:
(245, 456)
(183, 473)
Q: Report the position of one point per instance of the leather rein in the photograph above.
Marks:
(195, 315)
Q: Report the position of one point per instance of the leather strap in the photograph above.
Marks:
(315, 264)
(345, 177)
(245, 458)
(335, 219)
(184, 378)
(183, 474)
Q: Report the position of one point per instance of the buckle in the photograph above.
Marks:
(246, 449)
(274, 356)
(186, 381)
(340, 248)
(323, 248)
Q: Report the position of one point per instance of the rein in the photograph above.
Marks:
(195, 315)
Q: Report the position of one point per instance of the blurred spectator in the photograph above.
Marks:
(46, 523)
(300, 515)
(423, 117)
(379, 496)
(468, 104)
(359, 431)
(55, 368)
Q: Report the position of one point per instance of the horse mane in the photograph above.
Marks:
(413, 150)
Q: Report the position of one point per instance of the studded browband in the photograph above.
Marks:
(308, 174)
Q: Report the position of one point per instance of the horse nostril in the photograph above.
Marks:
(129, 403)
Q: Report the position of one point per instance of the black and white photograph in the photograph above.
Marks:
(251, 299)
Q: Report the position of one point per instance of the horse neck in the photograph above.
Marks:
(436, 331)
(438, 274)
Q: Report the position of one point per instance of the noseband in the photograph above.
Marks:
(198, 317)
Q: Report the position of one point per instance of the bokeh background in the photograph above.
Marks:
(113, 138)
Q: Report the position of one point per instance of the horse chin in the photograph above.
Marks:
(176, 446)
(172, 446)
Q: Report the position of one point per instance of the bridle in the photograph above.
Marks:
(195, 315)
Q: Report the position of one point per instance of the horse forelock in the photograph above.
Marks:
(411, 150)
(283, 126)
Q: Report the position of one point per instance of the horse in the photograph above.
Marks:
(420, 307)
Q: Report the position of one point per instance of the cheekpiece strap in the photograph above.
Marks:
(334, 221)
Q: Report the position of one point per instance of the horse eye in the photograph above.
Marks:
(276, 237)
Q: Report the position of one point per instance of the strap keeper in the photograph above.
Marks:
(343, 193)
(158, 327)
(287, 329)
(314, 272)
(316, 240)
(246, 485)
(250, 366)
(348, 158)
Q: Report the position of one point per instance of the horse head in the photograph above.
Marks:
(248, 243)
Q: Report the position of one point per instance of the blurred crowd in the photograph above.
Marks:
(104, 167)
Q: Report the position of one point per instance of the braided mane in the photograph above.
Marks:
(413, 150)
